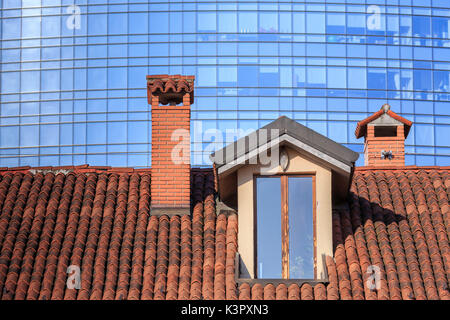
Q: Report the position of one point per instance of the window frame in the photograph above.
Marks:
(284, 178)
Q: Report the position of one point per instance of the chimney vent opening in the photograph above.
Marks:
(385, 131)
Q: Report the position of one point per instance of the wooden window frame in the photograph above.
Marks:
(284, 178)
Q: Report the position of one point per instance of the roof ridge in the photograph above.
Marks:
(109, 169)
(86, 168)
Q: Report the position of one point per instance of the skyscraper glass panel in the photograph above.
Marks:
(73, 73)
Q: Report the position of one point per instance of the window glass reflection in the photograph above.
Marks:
(422, 80)
(227, 76)
(159, 22)
(336, 23)
(97, 24)
(298, 22)
(51, 26)
(173, 36)
(357, 78)
(301, 236)
(356, 23)
(337, 77)
(30, 81)
(31, 27)
(29, 136)
(9, 136)
(441, 81)
(268, 206)
(442, 135)
(10, 82)
(248, 22)
(285, 22)
(96, 133)
(316, 77)
(376, 78)
(206, 21)
(421, 26)
(247, 76)
(315, 22)
(268, 22)
(117, 23)
(227, 22)
(11, 28)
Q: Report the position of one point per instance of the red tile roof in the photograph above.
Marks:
(98, 218)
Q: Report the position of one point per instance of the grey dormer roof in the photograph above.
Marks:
(290, 132)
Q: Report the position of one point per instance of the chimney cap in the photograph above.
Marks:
(170, 88)
(361, 128)
(385, 107)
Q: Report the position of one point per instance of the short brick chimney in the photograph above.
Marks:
(170, 97)
(384, 135)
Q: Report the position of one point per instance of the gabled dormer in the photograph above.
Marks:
(282, 180)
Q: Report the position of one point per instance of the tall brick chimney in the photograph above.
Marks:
(384, 135)
(170, 97)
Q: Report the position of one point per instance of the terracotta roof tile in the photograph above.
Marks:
(293, 292)
(258, 291)
(185, 258)
(174, 259)
(307, 292)
(244, 291)
(281, 292)
(208, 238)
(99, 218)
(320, 292)
(269, 292)
(220, 258)
(69, 238)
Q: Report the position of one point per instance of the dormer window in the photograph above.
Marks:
(285, 211)
(284, 205)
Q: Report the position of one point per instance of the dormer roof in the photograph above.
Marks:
(286, 131)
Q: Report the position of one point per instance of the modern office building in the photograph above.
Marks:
(73, 73)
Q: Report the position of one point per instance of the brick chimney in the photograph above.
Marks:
(170, 97)
(384, 135)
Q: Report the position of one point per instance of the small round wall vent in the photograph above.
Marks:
(284, 159)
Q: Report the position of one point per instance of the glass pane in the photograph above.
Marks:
(227, 22)
(268, 206)
(299, 22)
(421, 26)
(159, 22)
(315, 23)
(301, 242)
(207, 21)
(268, 22)
(248, 22)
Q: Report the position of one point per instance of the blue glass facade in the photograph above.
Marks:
(73, 72)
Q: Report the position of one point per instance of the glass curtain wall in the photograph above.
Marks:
(73, 73)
